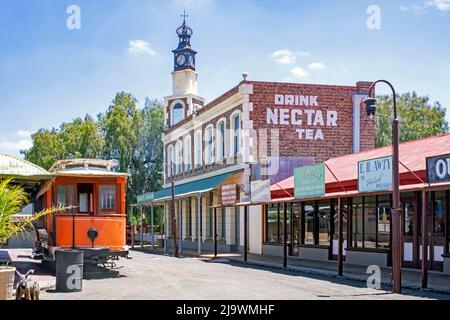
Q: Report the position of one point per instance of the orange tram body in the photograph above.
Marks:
(96, 219)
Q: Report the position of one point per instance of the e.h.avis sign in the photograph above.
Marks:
(375, 175)
(306, 115)
(438, 169)
(229, 194)
(309, 181)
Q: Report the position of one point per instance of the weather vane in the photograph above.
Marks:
(184, 15)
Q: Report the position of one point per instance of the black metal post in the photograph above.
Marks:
(285, 258)
(396, 211)
(245, 232)
(174, 223)
(215, 232)
(424, 241)
(340, 239)
(142, 228)
(73, 229)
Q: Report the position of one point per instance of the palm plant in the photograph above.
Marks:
(12, 200)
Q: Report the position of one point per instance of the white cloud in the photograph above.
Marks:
(345, 69)
(304, 53)
(441, 5)
(23, 133)
(141, 47)
(284, 56)
(316, 66)
(16, 146)
(299, 72)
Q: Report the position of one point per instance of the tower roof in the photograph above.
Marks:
(184, 33)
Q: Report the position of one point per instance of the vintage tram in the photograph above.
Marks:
(95, 220)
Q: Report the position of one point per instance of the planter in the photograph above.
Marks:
(6, 282)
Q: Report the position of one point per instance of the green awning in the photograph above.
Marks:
(199, 186)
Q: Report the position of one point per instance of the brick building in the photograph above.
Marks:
(254, 131)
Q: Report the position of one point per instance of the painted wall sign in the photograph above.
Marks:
(309, 182)
(438, 169)
(307, 117)
(375, 174)
(260, 191)
(229, 194)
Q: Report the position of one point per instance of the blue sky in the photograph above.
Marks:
(50, 74)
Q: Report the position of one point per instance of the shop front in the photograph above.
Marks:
(313, 223)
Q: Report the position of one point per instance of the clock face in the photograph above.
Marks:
(191, 61)
(181, 59)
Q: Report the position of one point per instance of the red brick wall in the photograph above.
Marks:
(338, 140)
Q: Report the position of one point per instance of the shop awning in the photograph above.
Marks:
(184, 190)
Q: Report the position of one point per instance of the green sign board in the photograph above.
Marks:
(309, 182)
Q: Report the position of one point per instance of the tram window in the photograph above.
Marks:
(86, 197)
(65, 195)
(107, 197)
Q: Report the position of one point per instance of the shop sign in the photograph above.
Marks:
(438, 169)
(375, 175)
(260, 191)
(309, 181)
(229, 196)
(144, 198)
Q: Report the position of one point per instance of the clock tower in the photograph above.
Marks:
(184, 74)
(184, 99)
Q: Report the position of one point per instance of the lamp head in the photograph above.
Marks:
(369, 104)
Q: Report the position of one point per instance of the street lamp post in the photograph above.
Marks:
(396, 210)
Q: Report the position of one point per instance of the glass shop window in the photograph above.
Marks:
(107, 197)
(384, 220)
(309, 224)
(272, 224)
(324, 213)
(370, 222)
(357, 222)
(439, 213)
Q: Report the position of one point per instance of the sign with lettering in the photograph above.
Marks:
(309, 181)
(229, 194)
(375, 175)
(260, 191)
(438, 169)
(302, 112)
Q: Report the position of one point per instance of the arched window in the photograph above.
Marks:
(209, 145)
(177, 113)
(220, 138)
(187, 154)
(236, 134)
(170, 161)
(198, 149)
(179, 158)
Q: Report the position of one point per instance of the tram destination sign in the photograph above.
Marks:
(438, 169)
(375, 175)
(309, 181)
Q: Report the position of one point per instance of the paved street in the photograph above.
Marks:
(148, 276)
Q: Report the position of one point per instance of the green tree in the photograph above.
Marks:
(82, 138)
(77, 139)
(418, 118)
(47, 148)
